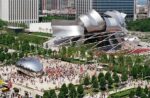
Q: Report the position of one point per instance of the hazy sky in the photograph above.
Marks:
(142, 1)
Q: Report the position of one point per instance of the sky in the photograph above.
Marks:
(142, 2)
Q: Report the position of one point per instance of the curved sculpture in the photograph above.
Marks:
(112, 25)
(30, 64)
(92, 21)
(120, 17)
(68, 31)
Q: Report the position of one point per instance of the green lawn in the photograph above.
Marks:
(122, 94)
(30, 38)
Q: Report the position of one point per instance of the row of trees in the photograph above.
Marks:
(74, 51)
(104, 81)
(9, 57)
(50, 18)
(140, 71)
(71, 91)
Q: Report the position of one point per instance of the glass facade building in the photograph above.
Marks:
(126, 6)
(19, 11)
(82, 7)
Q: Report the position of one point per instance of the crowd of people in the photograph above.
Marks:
(56, 73)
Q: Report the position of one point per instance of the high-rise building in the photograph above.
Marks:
(19, 11)
(58, 4)
(82, 6)
(126, 6)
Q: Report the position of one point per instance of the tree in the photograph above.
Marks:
(70, 86)
(110, 82)
(72, 92)
(107, 75)
(143, 95)
(139, 91)
(61, 95)
(116, 78)
(146, 90)
(80, 91)
(102, 83)
(2, 23)
(124, 77)
(86, 81)
(93, 78)
(148, 94)
(52, 94)
(64, 89)
(101, 75)
(2, 57)
(37, 96)
(134, 72)
(131, 95)
(95, 85)
(46, 94)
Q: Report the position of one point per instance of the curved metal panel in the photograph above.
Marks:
(112, 25)
(120, 17)
(30, 63)
(92, 21)
(67, 31)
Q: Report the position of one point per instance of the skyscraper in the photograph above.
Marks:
(82, 6)
(19, 11)
(126, 6)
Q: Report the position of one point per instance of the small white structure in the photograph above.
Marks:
(40, 27)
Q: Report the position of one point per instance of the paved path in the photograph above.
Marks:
(40, 36)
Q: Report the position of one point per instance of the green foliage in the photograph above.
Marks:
(116, 78)
(101, 75)
(2, 23)
(80, 91)
(146, 90)
(124, 77)
(64, 89)
(37, 96)
(61, 95)
(46, 94)
(50, 94)
(87, 80)
(134, 72)
(122, 94)
(95, 84)
(139, 25)
(143, 95)
(139, 91)
(107, 75)
(131, 95)
(102, 83)
(50, 18)
(110, 82)
(72, 92)
(93, 78)
(148, 94)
